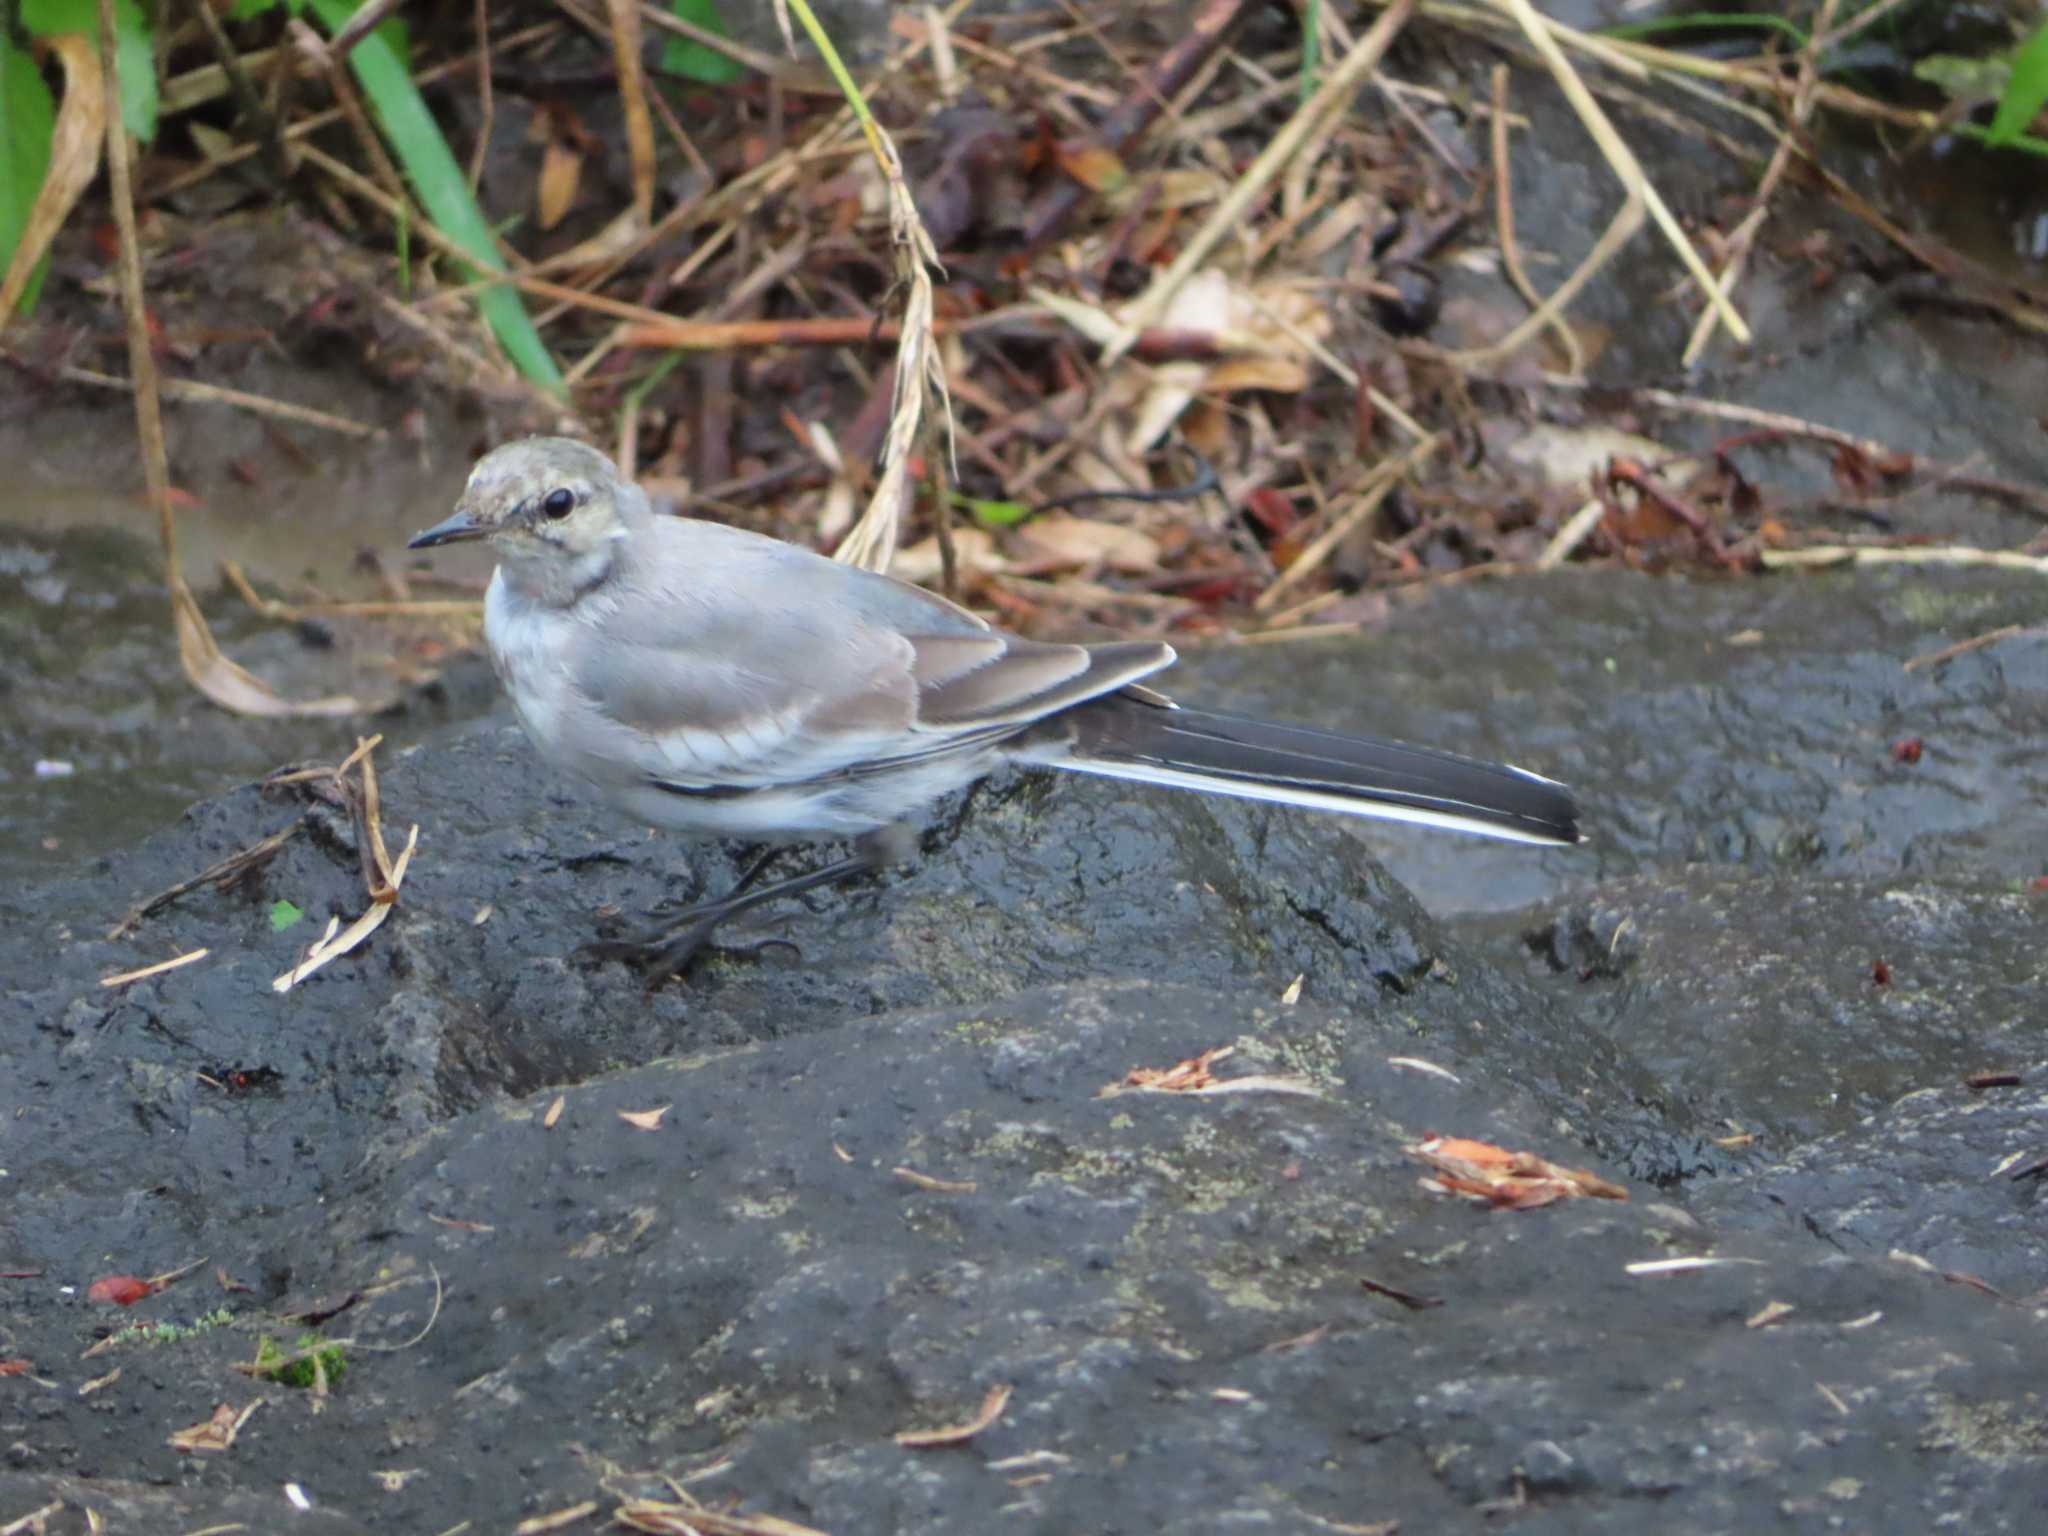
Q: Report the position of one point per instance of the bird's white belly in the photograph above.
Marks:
(522, 638)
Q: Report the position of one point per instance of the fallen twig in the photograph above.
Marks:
(992, 1406)
(1974, 643)
(218, 874)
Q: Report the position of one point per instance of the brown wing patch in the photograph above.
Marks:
(937, 660)
(1024, 680)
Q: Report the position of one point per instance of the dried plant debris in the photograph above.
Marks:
(1517, 1181)
(217, 1433)
(1194, 1078)
(382, 874)
(992, 1406)
(1011, 259)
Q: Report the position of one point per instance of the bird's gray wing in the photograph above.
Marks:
(731, 660)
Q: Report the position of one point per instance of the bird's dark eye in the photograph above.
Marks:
(560, 503)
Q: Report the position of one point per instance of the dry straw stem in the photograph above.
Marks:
(872, 543)
(172, 964)
(622, 28)
(74, 157)
(1576, 530)
(762, 63)
(392, 608)
(625, 19)
(1228, 215)
(333, 63)
(690, 1517)
(220, 679)
(382, 874)
(1743, 239)
(1641, 196)
(559, 1520)
(1822, 555)
(216, 394)
(1504, 226)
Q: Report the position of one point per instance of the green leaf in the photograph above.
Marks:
(2025, 93)
(27, 118)
(133, 61)
(443, 189)
(689, 58)
(282, 915)
(992, 514)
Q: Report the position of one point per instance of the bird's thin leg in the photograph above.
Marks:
(757, 857)
(670, 947)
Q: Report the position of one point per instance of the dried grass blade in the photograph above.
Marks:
(211, 673)
(625, 19)
(992, 1407)
(175, 962)
(872, 544)
(1621, 158)
(74, 158)
(335, 946)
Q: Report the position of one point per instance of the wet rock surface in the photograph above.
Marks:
(886, 1179)
(1754, 723)
(1791, 1007)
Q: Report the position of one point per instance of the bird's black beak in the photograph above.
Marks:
(450, 530)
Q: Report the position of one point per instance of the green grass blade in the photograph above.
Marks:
(1695, 21)
(133, 61)
(442, 188)
(27, 118)
(2025, 93)
(691, 59)
(1311, 46)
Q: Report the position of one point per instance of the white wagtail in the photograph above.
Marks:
(722, 683)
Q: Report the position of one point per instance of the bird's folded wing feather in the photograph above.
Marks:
(790, 693)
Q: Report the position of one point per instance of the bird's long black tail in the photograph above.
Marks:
(1127, 735)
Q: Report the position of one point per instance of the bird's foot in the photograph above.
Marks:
(670, 946)
(673, 947)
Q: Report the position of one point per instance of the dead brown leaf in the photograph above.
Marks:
(1061, 539)
(645, 1119)
(1182, 1075)
(1512, 1180)
(561, 172)
(1096, 168)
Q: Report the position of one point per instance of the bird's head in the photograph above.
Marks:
(540, 498)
